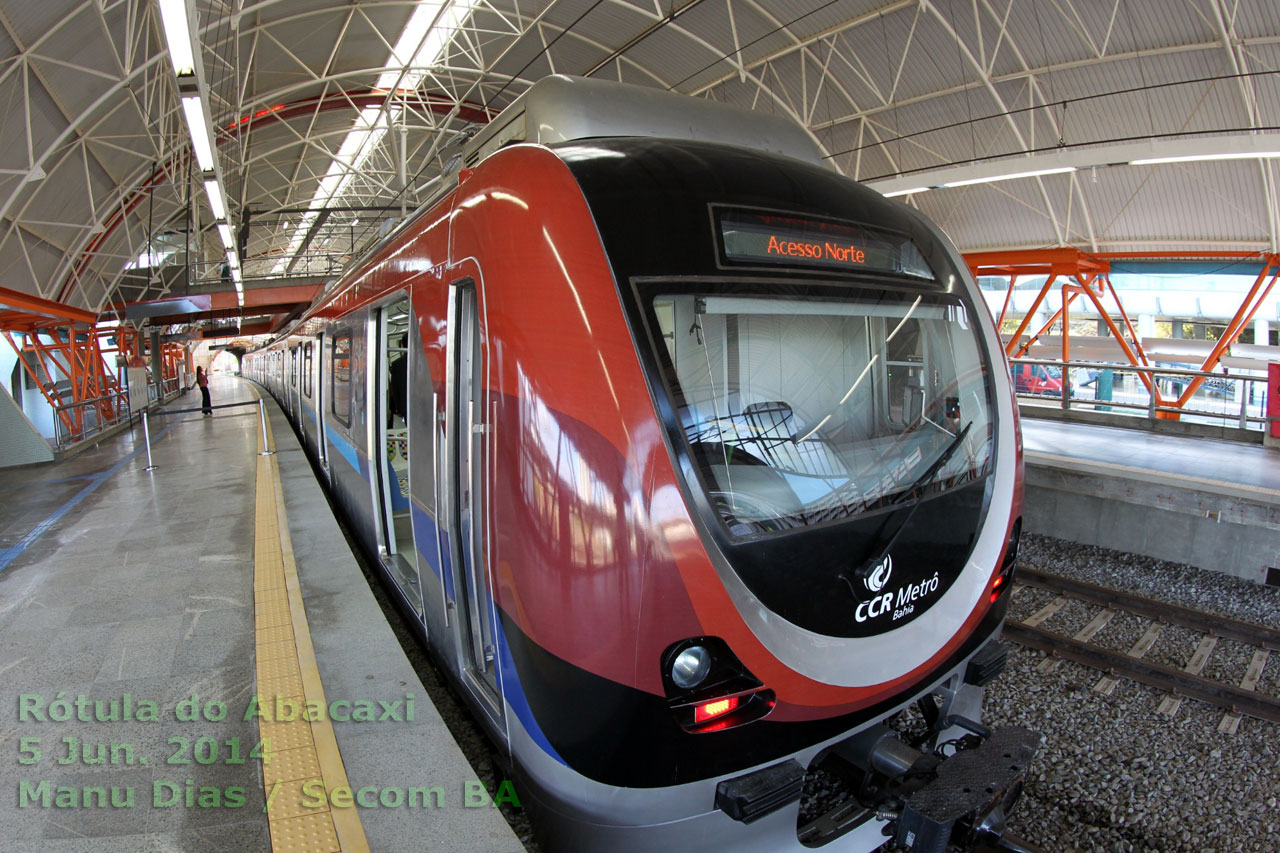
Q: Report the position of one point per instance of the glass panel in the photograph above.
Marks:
(800, 411)
(342, 378)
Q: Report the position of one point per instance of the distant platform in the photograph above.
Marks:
(1211, 503)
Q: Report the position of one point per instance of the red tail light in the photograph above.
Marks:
(711, 710)
(708, 689)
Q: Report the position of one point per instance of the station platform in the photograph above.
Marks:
(164, 637)
(1211, 503)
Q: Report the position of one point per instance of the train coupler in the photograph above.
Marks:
(967, 800)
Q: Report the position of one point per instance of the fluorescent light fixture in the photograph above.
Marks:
(897, 193)
(419, 46)
(1191, 158)
(1037, 173)
(200, 138)
(232, 260)
(224, 231)
(177, 32)
(214, 192)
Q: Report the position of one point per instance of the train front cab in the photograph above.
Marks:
(612, 542)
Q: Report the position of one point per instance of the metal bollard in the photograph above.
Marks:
(262, 418)
(146, 435)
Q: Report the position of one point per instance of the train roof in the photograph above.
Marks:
(561, 108)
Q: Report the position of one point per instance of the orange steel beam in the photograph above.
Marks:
(1026, 320)
(1243, 315)
(1087, 270)
(79, 355)
(1008, 298)
(46, 385)
(1069, 293)
(1046, 260)
(46, 308)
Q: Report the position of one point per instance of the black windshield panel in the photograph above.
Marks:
(800, 409)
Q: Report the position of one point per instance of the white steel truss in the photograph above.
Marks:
(93, 160)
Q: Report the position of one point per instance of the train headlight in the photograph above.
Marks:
(708, 689)
(690, 667)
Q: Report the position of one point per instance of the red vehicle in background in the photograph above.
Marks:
(1036, 379)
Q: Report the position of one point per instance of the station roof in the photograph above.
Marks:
(315, 104)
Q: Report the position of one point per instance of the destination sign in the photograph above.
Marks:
(755, 237)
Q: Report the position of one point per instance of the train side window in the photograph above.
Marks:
(341, 387)
(307, 364)
(293, 366)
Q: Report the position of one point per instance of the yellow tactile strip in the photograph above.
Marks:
(295, 751)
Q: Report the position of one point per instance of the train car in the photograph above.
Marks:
(697, 466)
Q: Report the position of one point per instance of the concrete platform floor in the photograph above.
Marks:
(1202, 462)
(117, 582)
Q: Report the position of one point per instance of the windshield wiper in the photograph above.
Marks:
(878, 550)
(935, 466)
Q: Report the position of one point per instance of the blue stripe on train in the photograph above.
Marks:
(424, 530)
(348, 452)
(512, 690)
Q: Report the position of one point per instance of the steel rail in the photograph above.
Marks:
(1234, 699)
(1160, 611)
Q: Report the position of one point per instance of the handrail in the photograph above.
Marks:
(1068, 398)
(1138, 368)
(90, 421)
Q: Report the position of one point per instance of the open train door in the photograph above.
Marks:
(469, 442)
(389, 455)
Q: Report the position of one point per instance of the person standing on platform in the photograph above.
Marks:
(202, 379)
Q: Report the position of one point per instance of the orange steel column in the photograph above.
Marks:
(1069, 294)
(1243, 315)
(1026, 321)
(45, 385)
(1008, 299)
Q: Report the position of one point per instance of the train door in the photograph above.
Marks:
(291, 390)
(297, 383)
(469, 437)
(391, 449)
(322, 451)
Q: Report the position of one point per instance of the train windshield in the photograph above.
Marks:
(800, 410)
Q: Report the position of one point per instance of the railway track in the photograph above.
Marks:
(1187, 682)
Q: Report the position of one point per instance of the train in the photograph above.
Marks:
(695, 465)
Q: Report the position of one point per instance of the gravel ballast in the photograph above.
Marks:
(1116, 775)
